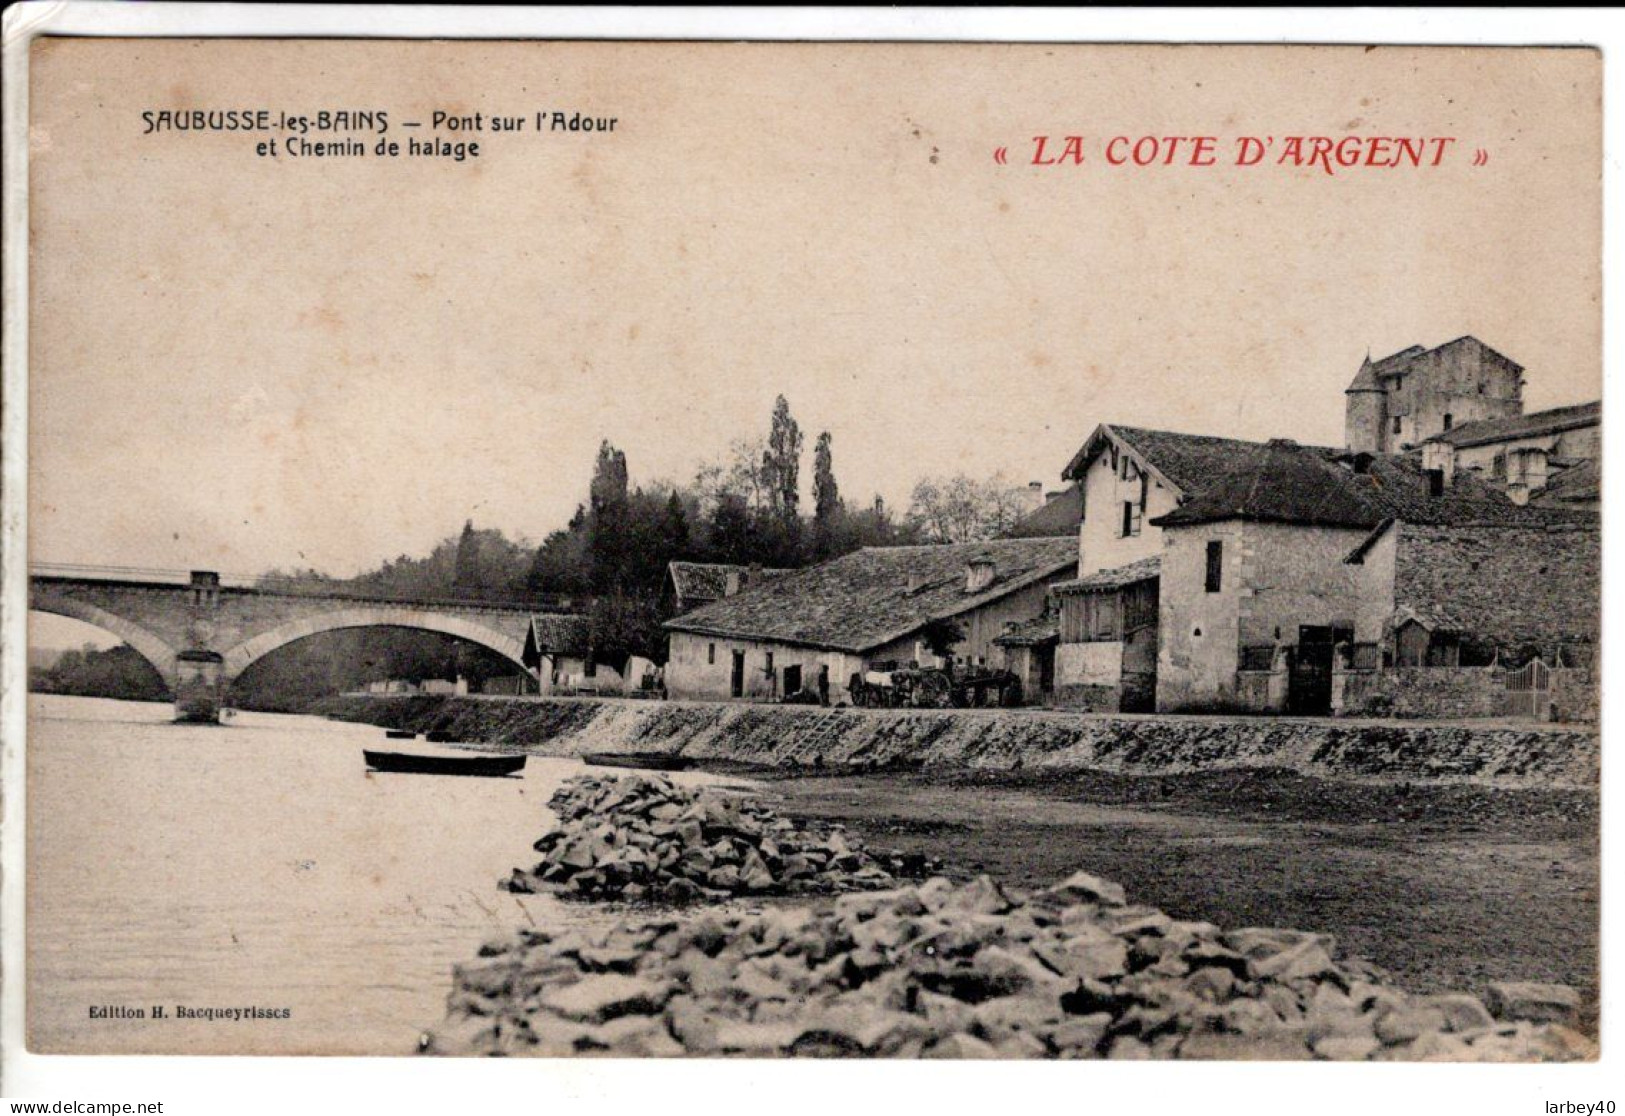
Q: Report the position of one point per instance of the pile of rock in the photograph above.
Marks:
(643, 837)
(972, 972)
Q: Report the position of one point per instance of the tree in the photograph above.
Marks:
(561, 564)
(676, 522)
(733, 535)
(941, 636)
(621, 625)
(827, 507)
(607, 527)
(467, 575)
(781, 462)
(118, 672)
(741, 473)
(962, 509)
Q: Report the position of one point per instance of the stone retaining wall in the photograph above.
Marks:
(1434, 691)
(1539, 756)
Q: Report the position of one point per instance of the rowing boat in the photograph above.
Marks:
(407, 764)
(653, 761)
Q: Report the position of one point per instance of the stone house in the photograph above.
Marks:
(1098, 646)
(558, 651)
(1282, 568)
(1526, 453)
(1129, 477)
(1402, 400)
(814, 629)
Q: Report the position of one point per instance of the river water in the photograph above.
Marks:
(258, 865)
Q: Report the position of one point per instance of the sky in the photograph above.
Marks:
(240, 362)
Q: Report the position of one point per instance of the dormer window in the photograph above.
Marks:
(979, 574)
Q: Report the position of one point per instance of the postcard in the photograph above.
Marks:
(896, 550)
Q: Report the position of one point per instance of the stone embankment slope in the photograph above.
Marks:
(1502, 754)
(974, 971)
(641, 838)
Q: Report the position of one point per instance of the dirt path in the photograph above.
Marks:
(1446, 887)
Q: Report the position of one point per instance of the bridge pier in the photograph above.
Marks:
(199, 686)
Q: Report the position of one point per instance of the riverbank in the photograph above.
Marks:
(1487, 872)
(1504, 754)
(1447, 887)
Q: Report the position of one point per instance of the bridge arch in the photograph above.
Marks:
(240, 657)
(150, 647)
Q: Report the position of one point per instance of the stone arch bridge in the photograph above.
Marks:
(196, 630)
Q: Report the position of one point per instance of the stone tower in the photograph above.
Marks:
(1402, 400)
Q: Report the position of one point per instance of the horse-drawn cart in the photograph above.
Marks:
(893, 685)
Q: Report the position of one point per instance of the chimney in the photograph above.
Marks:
(730, 583)
(1439, 459)
(914, 581)
(1035, 495)
(979, 574)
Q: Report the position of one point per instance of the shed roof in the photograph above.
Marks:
(1143, 570)
(878, 594)
(1032, 633)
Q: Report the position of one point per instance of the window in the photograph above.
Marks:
(1215, 566)
(1449, 419)
(1399, 424)
(769, 666)
(710, 654)
(1131, 518)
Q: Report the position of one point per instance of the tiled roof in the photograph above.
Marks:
(1431, 615)
(1143, 570)
(1060, 516)
(1283, 482)
(1188, 461)
(877, 594)
(556, 635)
(708, 581)
(1577, 485)
(1554, 421)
